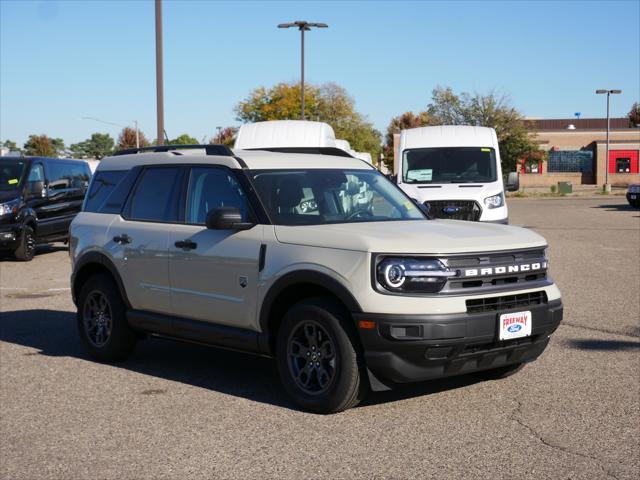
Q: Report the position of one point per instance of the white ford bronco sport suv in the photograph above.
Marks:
(277, 254)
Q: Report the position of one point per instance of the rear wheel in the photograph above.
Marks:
(318, 357)
(102, 321)
(27, 247)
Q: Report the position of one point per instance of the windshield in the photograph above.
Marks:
(11, 172)
(321, 196)
(449, 165)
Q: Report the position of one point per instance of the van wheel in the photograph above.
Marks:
(318, 357)
(102, 322)
(501, 372)
(27, 248)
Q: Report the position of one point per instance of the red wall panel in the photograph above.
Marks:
(615, 154)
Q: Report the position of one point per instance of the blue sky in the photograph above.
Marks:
(64, 60)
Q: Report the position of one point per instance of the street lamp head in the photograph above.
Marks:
(302, 25)
(601, 91)
(615, 91)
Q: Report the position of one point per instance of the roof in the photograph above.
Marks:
(579, 123)
(252, 159)
(285, 133)
(448, 136)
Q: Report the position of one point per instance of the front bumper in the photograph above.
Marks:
(413, 348)
(10, 234)
(501, 221)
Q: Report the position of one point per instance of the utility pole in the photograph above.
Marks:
(607, 186)
(302, 26)
(159, 77)
(137, 134)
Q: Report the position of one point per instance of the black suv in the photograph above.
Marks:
(38, 199)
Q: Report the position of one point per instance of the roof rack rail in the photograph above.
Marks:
(213, 149)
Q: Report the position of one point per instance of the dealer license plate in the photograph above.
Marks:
(514, 325)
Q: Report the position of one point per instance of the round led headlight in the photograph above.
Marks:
(394, 275)
(412, 275)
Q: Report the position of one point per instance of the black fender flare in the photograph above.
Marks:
(104, 261)
(313, 277)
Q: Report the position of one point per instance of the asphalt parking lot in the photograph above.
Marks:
(177, 410)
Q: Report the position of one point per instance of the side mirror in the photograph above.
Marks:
(226, 218)
(513, 182)
(424, 208)
(36, 189)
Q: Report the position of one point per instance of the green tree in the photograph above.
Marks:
(226, 136)
(39, 145)
(58, 146)
(98, 146)
(634, 115)
(127, 139)
(328, 103)
(184, 139)
(12, 146)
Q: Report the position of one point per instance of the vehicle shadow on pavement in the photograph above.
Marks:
(606, 345)
(625, 207)
(54, 333)
(40, 250)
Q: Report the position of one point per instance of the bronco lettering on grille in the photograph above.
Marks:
(523, 267)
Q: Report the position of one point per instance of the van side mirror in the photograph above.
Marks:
(35, 189)
(226, 218)
(513, 182)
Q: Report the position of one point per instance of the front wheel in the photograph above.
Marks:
(318, 357)
(27, 247)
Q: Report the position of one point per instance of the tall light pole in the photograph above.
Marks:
(303, 26)
(607, 187)
(159, 79)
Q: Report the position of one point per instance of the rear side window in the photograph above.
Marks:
(156, 195)
(67, 175)
(102, 185)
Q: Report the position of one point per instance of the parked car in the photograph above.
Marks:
(38, 199)
(455, 171)
(633, 195)
(258, 251)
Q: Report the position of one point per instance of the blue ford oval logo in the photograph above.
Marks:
(514, 328)
(450, 210)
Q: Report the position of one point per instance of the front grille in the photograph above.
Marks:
(506, 302)
(455, 209)
(495, 281)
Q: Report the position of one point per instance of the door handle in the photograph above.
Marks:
(122, 239)
(186, 244)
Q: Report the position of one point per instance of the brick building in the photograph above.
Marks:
(577, 150)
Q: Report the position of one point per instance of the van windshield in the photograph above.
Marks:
(11, 172)
(449, 165)
(322, 196)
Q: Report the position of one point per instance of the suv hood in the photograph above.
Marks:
(412, 236)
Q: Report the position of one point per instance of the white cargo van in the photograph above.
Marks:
(455, 171)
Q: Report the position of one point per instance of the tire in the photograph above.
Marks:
(27, 247)
(501, 372)
(106, 337)
(336, 382)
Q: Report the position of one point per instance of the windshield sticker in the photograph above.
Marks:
(408, 205)
(485, 149)
(13, 181)
(423, 175)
